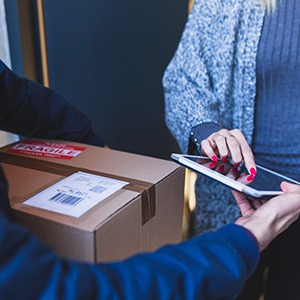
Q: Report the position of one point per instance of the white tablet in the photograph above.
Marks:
(265, 185)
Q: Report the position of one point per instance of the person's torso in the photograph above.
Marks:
(276, 140)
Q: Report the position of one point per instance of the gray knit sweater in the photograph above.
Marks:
(212, 78)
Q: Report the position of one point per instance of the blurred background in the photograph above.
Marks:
(106, 57)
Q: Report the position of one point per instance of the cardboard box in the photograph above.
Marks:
(141, 216)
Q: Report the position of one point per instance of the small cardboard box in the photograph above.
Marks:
(142, 216)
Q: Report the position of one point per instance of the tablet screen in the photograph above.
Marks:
(265, 180)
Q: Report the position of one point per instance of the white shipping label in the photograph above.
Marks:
(75, 194)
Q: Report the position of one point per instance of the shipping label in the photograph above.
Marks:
(46, 149)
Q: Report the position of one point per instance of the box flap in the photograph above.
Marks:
(118, 163)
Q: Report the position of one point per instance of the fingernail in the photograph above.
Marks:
(212, 165)
(253, 171)
(250, 177)
(234, 170)
(221, 169)
(237, 165)
(224, 159)
(214, 158)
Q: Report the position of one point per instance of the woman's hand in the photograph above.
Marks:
(267, 219)
(229, 143)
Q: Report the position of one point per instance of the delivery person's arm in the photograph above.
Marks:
(29, 109)
(211, 266)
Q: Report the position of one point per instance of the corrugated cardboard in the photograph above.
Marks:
(142, 216)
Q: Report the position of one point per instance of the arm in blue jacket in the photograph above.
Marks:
(211, 266)
(29, 109)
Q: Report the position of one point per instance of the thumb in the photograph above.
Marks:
(289, 187)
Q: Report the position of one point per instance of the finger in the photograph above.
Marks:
(256, 204)
(247, 154)
(243, 203)
(212, 165)
(234, 149)
(215, 145)
(289, 187)
(209, 148)
(220, 169)
(245, 178)
(221, 144)
(232, 173)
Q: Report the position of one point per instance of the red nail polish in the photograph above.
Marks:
(224, 159)
(212, 165)
(253, 171)
(221, 169)
(214, 158)
(237, 165)
(250, 178)
(234, 170)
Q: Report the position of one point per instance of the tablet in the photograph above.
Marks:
(265, 185)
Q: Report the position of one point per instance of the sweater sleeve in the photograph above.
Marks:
(198, 134)
(29, 109)
(210, 266)
(190, 99)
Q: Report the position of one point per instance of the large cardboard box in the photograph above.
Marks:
(142, 216)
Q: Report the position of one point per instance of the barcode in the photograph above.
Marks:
(66, 199)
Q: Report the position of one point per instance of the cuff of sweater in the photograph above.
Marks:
(199, 133)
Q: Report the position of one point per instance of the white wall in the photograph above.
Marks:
(5, 137)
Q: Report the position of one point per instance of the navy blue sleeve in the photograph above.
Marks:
(4, 200)
(29, 109)
(210, 266)
(198, 134)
